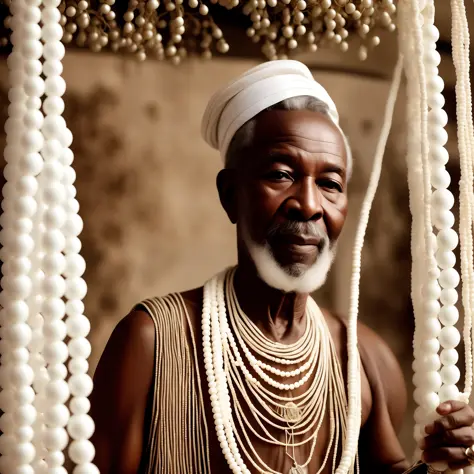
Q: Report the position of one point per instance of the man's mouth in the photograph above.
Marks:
(299, 240)
(296, 247)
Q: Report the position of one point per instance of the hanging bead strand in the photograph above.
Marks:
(42, 265)
(442, 200)
(54, 287)
(80, 425)
(461, 60)
(416, 198)
(418, 35)
(19, 208)
(35, 162)
(70, 264)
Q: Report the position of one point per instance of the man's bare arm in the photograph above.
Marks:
(379, 447)
(121, 387)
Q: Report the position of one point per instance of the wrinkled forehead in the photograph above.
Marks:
(307, 131)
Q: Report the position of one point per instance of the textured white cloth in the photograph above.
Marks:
(254, 91)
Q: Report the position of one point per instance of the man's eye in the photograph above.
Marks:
(332, 185)
(278, 175)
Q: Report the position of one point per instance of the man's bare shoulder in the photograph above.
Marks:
(133, 336)
(130, 347)
(137, 323)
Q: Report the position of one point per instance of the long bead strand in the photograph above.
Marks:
(19, 206)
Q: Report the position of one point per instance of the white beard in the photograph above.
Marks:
(299, 278)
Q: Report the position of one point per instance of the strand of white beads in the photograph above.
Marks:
(430, 391)
(443, 220)
(426, 364)
(213, 341)
(34, 164)
(36, 306)
(19, 205)
(80, 426)
(416, 199)
(461, 60)
(435, 385)
(66, 266)
(36, 320)
(419, 36)
(42, 275)
(54, 286)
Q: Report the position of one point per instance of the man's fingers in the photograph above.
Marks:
(453, 420)
(458, 437)
(450, 407)
(450, 435)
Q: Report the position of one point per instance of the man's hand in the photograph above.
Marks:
(448, 437)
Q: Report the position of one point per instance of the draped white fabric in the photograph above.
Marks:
(254, 91)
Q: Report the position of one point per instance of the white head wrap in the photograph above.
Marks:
(254, 91)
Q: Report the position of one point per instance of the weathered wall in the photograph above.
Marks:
(153, 222)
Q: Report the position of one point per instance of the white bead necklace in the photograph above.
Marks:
(246, 424)
(308, 349)
(259, 390)
(230, 381)
(293, 355)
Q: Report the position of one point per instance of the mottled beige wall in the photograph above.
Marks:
(145, 180)
(153, 222)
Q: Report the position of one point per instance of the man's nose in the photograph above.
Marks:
(306, 202)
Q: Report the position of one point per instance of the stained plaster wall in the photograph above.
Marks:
(152, 219)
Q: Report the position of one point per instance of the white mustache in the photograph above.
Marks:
(308, 229)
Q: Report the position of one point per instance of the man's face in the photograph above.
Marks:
(292, 196)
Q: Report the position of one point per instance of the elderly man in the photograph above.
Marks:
(248, 374)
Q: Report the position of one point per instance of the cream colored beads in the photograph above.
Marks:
(434, 240)
(286, 25)
(171, 29)
(233, 346)
(42, 266)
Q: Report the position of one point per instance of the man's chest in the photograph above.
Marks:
(314, 448)
(265, 447)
